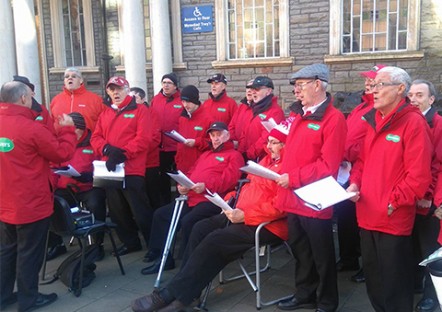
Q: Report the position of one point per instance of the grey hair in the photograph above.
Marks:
(324, 84)
(398, 75)
(430, 85)
(73, 70)
(12, 91)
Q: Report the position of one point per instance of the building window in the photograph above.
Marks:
(147, 31)
(72, 45)
(370, 26)
(252, 30)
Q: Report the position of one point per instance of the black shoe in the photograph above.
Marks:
(8, 301)
(151, 255)
(359, 277)
(155, 268)
(124, 250)
(42, 301)
(426, 305)
(347, 266)
(100, 255)
(56, 251)
(294, 304)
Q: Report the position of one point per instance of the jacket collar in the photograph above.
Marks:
(172, 97)
(296, 107)
(262, 105)
(85, 139)
(403, 107)
(430, 115)
(80, 90)
(219, 96)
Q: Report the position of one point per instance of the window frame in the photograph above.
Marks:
(222, 40)
(59, 45)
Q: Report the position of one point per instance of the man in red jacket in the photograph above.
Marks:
(213, 245)
(316, 147)
(75, 98)
(422, 94)
(392, 173)
(265, 106)
(219, 106)
(217, 170)
(123, 134)
(168, 107)
(26, 200)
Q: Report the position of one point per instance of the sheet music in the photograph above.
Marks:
(269, 124)
(69, 171)
(101, 172)
(182, 179)
(323, 193)
(176, 136)
(217, 200)
(261, 171)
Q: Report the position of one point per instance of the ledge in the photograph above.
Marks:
(82, 69)
(273, 62)
(346, 58)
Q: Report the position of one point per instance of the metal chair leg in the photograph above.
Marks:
(114, 246)
(179, 202)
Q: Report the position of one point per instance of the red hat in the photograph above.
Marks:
(119, 81)
(372, 72)
(280, 131)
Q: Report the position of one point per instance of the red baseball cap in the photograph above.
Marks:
(372, 72)
(118, 81)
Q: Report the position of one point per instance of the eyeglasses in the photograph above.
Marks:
(271, 142)
(381, 85)
(302, 85)
(167, 82)
(71, 76)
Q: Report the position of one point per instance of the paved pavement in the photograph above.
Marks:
(111, 291)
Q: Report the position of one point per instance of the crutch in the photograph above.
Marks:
(179, 202)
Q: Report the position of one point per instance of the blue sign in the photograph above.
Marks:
(197, 19)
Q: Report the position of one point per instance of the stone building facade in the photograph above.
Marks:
(310, 34)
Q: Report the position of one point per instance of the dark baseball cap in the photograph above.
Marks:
(217, 125)
(262, 81)
(217, 78)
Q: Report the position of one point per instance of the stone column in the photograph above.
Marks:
(26, 43)
(161, 41)
(7, 52)
(134, 43)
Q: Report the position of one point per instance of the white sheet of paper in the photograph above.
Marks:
(269, 124)
(176, 136)
(182, 179)
(323, 193)
(70, 172)
(344, 172)
(101, 172)
(217, 200)
(256, 169)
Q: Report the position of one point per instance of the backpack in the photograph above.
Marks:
(69, 270)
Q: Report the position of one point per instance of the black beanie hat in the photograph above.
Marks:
(79, 121)
(191, 94)
(172, 77)
(24, 80)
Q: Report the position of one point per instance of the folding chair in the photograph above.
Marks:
(63, 223)
(256, 283)
(179, 202)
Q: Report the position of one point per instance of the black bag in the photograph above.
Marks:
(69, 270)
(82, 218)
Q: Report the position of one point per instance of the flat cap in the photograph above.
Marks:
(314, 71)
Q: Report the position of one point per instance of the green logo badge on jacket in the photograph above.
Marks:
(39, 118)
(219, 158)
(6, 145)
(129, 115)
(313, 126)
(262, 116)
(177, 106)
(393, 138)
(198, 128)
(221, 109)
(88, 151)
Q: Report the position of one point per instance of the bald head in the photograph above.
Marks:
(16, 92)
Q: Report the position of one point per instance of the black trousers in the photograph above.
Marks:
(167, 164)
(22, 249)
(153, 187)
(213, 247)
(388, 268)
(315, 270)
(130, 210)
(348, 232)
(424, 237)
(188, 218)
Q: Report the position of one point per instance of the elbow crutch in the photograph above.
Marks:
(179, 202)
